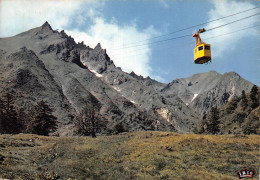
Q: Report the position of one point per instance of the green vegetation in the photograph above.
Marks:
(10, 121)
(137, 155)
(212, 123)
(241, 115)
(42, 121)
(14, 120)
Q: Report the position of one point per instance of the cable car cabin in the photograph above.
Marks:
(202, 54)
(202, 51)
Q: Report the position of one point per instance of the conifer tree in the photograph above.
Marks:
(42, 120)
(251, 124)
(254, 97)
(244, 101)
(9, 121)
(2, 116)
(212, 122)
(232, 105)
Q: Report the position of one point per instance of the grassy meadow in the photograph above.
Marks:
(136, 155)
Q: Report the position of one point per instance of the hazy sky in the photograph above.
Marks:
(130, 31)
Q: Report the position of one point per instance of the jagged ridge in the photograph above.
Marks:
(79, 73)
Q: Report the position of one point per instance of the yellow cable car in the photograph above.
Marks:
(202, 53)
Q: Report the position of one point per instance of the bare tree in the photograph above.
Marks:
(89, 122)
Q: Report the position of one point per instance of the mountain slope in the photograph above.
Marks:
(203, 91)
(148, 81)
(144, 96)
(75, 81)
(241, 114)
(69, 75)
(26, 75)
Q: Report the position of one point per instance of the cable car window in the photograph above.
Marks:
(207, 47)
(200, 48)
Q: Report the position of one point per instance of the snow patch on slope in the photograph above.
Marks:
(132, 102)
(97, 74)
(116, 88)
(232, 94)
(119, 90)
(194, 97)
(85, 64)
(92, 70)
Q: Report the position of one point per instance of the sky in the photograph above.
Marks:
(140, 35)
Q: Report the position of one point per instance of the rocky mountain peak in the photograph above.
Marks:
(136, 76)
(64, 35)
(132, 74)
(231, 74)
(98, 47)
(46, 26)
(138, 102)
(96, 59)
(212, 71)
(148, 81)
(81, 45)
(140, 77)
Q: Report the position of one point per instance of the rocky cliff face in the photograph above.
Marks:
(148, 81)
(43, 64)
(142, 92)
(203, 91)
(46, 64)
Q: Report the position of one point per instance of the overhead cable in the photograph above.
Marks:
(192, 26)
(119, 54)
(188, 35)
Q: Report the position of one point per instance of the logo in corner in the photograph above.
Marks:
(245, 174)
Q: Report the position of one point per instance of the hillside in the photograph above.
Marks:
(137, 155)
(241, 115)
(45, 64)
(205, 90)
